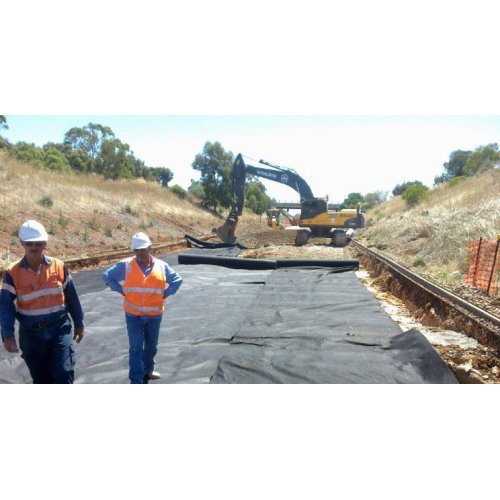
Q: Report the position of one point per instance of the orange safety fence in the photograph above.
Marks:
(483, 263)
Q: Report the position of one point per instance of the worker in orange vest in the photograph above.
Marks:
(39, 292)
(145, 282)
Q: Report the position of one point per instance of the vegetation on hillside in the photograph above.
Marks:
(433, 234)
(92, 149)
(92, 193)
(85, 214)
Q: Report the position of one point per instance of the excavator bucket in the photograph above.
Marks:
(227, 230)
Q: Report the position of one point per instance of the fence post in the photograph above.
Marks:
(476, 267)
(493, 267)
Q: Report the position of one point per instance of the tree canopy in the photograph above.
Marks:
(89, 138)
(92, 149)
(370, 200)
(414, 194)
(401, 188)
(256, 198)
(352, 200)
(483, 158)
(215, 167)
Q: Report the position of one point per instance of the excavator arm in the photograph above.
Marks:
(275, 173)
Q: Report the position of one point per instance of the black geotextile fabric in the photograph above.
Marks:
(284, 325)
(193, 242)
(199, 257)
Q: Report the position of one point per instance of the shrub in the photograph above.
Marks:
(53, 159)
(455, 181)
(179, 191)
(94, 224)
(414, 195)
(62, 221)
(129, 210)
(419, 262)
(46, 201)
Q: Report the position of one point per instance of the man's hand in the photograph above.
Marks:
(10, 344)
(79, 333)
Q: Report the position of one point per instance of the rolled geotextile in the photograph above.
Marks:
(233, 263)
(240, 263)
(347, 263)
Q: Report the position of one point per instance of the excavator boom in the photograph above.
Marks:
(240, 171)
(315, 219)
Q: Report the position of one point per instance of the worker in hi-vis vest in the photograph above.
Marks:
(39, 292)
(145, 282)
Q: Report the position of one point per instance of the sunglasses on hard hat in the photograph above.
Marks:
(34, 243)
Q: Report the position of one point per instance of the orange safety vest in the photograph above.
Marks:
(143, 295)
(39, 293)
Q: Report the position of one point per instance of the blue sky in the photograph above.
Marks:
(336, 155)
(355, 96)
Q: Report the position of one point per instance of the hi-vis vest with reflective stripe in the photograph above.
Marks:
(39, 293)
(143, 295)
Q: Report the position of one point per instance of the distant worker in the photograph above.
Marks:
(44, 292)
(145, 282)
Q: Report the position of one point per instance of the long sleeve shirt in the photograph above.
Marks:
(115, 276)
(8, 297)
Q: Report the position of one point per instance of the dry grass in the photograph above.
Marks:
(434, 234)
(88, 214)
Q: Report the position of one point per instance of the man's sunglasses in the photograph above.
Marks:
(34, 243)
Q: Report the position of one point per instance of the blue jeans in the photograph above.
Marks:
(143, 333)
(48, 352)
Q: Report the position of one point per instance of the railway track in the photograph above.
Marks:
(102, 258)
(445, 305)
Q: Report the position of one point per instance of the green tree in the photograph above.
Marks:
(414, 194)
(371, 200)
(401, 188)
(115, 161)
(4, 143)
(179, 191)
(483, 158)
(256, 198)
(162, 175)
(78, 160)
(215, 167)
(454, 167)
(196, 189)
(352, 200)
(29, 152)
(89, 139)
(53, 159)
(3, 123)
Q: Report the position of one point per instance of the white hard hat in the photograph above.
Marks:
(140, 241)
(32, 230)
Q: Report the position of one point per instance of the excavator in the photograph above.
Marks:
(316, 220)
(278, 218)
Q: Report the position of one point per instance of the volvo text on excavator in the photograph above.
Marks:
(316, 221)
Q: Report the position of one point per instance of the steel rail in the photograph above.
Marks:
(95, 259)
(430, 287)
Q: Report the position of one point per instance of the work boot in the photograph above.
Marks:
(152, 375)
